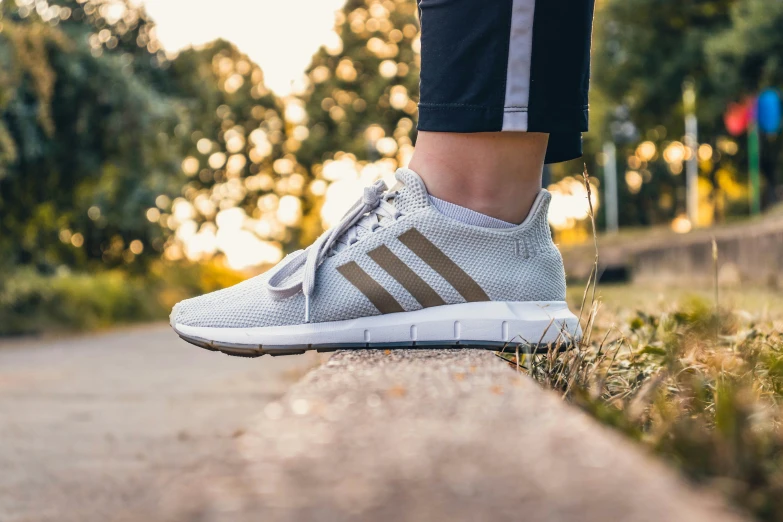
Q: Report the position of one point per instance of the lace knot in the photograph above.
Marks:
(373, 194)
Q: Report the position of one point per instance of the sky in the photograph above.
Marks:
(279, 35)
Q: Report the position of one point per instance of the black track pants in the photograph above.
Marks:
(507, 65)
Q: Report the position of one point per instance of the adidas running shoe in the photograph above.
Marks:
(395, 272)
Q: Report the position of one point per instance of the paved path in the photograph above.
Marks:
(113, 426)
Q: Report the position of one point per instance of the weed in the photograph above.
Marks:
(698, 383)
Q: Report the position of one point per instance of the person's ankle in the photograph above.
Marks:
(507, 202)
(496, 174)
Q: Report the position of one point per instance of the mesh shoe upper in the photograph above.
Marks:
(514, 264)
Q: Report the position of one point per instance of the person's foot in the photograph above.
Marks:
(395, 272)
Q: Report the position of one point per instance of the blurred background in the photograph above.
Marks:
(151, 150)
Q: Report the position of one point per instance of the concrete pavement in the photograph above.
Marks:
(109, 426)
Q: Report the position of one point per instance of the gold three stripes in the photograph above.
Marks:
(378, 295)
(465, 285)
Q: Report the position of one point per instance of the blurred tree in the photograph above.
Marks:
(644, 50)
(744, 60)
(85, 127)
(364, 83)
(746, 56)
(238, 156)
(112, 152)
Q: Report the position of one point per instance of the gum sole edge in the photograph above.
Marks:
(253, 351)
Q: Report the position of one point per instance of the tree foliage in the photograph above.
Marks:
(365, 86)
(646, 49)
(95, 122)
(84, 127)
(748, 55)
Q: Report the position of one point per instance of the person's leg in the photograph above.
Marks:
(496, 79)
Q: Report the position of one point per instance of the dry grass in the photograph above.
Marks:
(697, 381)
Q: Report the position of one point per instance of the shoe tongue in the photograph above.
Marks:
(411, 193)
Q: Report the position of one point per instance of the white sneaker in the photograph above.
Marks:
(395, 272)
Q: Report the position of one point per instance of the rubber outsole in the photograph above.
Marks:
(251, 351)
(532, 326)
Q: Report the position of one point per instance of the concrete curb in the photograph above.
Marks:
(429, 435)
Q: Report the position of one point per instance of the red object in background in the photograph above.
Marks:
(738, 116)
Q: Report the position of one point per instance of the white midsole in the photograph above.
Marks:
(523, 322)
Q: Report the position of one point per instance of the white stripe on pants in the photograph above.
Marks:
(520, 52)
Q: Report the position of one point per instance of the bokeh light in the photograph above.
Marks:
(570, 205)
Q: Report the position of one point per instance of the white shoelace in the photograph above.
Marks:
(365, 214)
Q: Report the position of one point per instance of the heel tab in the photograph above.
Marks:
(540, 207)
